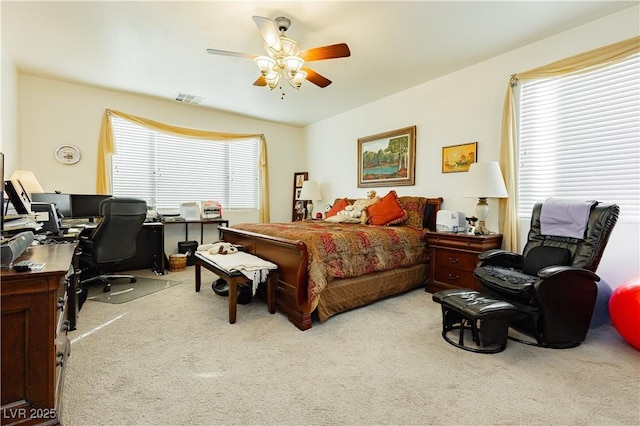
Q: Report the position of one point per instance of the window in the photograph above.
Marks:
(579, 137)
(167, 170)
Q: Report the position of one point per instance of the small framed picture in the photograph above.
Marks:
(458, 158)
(298, 205)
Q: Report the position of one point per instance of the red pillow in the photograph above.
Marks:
(387, 211)
(338, 206)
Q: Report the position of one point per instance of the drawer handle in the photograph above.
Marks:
(66, 325)
(453, 277)
(454, 260)
(61, 303)
(60, 361)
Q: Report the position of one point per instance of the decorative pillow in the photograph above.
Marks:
(387, 211)
(337, 206)
(414, 206)
(542, 256)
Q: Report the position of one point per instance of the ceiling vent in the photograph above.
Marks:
(188, 99)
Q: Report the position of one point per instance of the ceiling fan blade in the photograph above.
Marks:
(316, 78)
(340, 50)
(268, 31)
(260, 81)
(227, 53)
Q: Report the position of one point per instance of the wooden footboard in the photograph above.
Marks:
(291, 258)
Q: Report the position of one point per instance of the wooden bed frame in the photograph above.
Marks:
(292, 259)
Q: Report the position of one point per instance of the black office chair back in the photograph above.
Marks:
(114, 239)
(585, 253)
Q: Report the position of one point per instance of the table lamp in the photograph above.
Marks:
(310, 192)
(28, 180)
(485, 181)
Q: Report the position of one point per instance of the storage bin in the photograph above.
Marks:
(177, 262)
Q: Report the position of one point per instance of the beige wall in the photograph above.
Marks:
(9, 114)
(462, 107)
(54, 113)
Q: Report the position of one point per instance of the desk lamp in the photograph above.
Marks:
(310, 192)
(29, 181)
(485, 181)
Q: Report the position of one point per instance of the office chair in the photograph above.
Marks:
(553, 283)
(113, 240)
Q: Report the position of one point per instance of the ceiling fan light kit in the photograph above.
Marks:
(284, 58)
(272, 68)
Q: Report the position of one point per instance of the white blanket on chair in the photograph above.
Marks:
(252, 267)
(564, 217)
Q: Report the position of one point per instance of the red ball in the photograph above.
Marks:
(624, 310)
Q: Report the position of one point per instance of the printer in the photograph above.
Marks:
(450, 221)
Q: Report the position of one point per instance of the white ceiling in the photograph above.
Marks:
(159, 48)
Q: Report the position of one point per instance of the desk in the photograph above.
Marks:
(202, 222)
(36, 315)
(149, 250)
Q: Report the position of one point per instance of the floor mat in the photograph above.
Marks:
(123, 291)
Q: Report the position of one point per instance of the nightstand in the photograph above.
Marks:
(453, 257)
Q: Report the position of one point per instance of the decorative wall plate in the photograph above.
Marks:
(67, 154)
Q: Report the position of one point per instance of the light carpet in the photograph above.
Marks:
(122, 290)
(172, 358)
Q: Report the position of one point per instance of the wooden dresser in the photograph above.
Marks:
(453, 257)
(35, 319)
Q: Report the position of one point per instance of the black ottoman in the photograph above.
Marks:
(487, 318)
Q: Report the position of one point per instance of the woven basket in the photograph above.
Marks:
(177, 262)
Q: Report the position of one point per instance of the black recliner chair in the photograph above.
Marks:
(553, 283)
(112, 241)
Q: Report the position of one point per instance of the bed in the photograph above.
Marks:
(330, 268)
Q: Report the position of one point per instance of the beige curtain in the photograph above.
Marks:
(584, 62)
(107, 147)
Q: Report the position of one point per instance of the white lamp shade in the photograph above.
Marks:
(485, 181)
(28, 180)
(272, 79)
(292, 65)
(298, 79)
(310, 191)
(265, 64)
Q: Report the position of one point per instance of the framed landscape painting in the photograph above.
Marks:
(387, 159)
(458, 158)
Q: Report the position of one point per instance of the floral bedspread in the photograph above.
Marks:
(339, 250)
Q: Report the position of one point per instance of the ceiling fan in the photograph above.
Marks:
(284, 58)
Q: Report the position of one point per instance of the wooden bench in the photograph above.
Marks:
(233, 278)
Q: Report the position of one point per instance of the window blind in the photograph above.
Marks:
(579, 137)
(167, 170)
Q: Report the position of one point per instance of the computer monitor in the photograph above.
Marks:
(86, 206)
(47, 215)
(18, 196)
(62, 201)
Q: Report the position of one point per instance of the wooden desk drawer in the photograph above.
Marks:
(456, 259)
